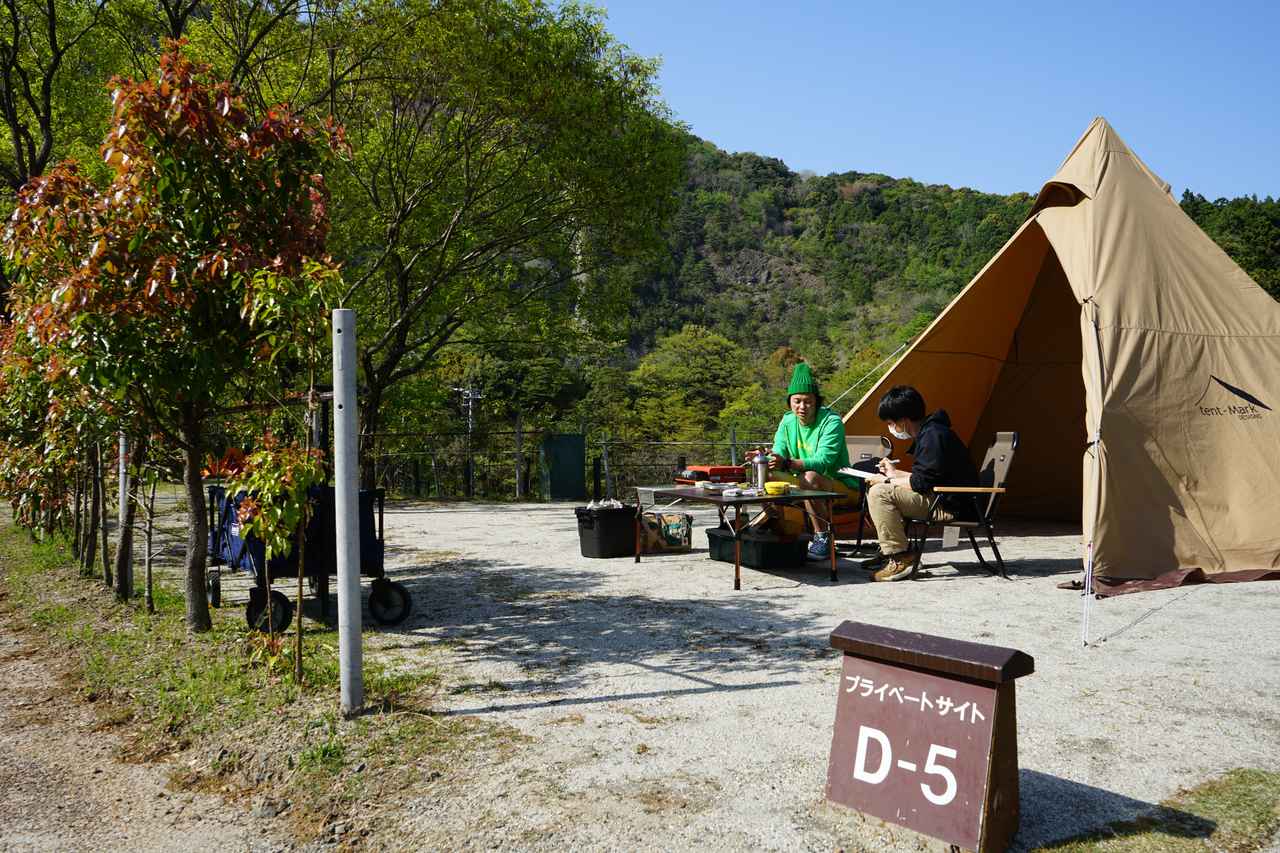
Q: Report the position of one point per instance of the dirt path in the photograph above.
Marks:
(64, 788)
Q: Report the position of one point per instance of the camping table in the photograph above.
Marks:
(723, 502)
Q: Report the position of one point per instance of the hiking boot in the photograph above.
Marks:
(820, 547)
(899, 567)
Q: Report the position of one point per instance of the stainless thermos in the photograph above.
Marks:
(761, 470)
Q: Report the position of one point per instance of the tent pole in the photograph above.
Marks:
(1097, 484)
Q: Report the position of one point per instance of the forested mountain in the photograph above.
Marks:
(827, 265)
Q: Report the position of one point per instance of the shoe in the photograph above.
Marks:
(820, 547)
(900, 567)
(871, 564)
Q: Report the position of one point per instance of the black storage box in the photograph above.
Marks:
(604, 532)
(759, 550)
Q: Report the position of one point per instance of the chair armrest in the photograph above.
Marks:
(969, 490)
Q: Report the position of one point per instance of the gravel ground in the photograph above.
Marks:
(666, 711)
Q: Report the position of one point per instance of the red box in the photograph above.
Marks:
(712, 473)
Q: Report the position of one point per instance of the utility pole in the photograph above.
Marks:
(469, 396)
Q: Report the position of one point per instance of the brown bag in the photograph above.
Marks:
(665, 532)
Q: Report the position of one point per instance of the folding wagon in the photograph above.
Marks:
(389, 602)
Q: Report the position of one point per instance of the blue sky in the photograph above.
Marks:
(986, 95)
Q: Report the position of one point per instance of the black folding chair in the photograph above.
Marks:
(986, 499)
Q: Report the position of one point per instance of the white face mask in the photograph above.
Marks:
(897, 433)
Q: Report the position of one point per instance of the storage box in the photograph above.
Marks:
(759, 550)
(711, 473)
(607, 532)
(665, 532)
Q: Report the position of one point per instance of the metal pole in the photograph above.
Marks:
(125, 581)
(346, 508)
(733, 446)
(519, 455)
(608, 474)
(122, 494)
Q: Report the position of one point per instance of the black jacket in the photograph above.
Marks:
(941, 459)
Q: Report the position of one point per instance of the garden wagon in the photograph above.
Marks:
(389, 602)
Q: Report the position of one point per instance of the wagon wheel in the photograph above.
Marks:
(255, 612)
(389, 602)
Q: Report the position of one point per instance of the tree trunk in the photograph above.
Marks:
(368, 426)
(105, 521)
(124, 543)
(198, 618)
(150, 535)
(90, 551)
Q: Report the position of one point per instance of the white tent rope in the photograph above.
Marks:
(869, 373)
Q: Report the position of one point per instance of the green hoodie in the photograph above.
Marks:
(819, 447)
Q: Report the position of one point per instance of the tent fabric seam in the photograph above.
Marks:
(1126, 328)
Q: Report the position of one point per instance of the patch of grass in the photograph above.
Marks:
(227, 697)
(1238, 812)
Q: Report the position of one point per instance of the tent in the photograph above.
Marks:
(1111, 326)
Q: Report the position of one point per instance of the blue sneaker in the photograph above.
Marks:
(820, 547)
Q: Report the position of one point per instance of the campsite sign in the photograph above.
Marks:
(926, 735)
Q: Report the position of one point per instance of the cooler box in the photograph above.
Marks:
(759, 550)
(604, 532)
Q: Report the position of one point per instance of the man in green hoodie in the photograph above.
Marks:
(809, 449)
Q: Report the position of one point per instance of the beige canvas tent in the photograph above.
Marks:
(1110, 324)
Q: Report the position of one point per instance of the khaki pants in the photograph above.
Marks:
(889, 506)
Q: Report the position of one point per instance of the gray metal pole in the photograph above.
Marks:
(519, 455)
(126, 567)
(123, 489)
(608, 474)
(346, 507)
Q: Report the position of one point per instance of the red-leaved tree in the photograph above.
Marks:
(175, 288)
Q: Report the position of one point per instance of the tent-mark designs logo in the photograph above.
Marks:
(1249, 407)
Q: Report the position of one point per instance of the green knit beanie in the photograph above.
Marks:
(802, 381)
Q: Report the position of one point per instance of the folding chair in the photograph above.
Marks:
(985, 496)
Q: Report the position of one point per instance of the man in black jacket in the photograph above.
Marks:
(941, 459)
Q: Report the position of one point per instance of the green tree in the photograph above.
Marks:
(681, 386)
(506, 157)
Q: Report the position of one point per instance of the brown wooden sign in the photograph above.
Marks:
(925, 734)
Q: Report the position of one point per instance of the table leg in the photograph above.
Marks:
(737, 547)
(831, 535)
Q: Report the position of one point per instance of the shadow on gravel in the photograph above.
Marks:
(558, 632)
(1020, 568)
(1056, 809)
